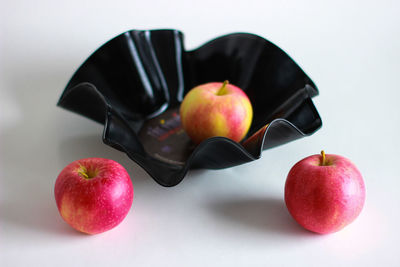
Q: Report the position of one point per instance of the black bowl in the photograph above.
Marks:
(135, 82)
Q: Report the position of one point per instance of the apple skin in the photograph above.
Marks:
(95, 204)
(207, 111)
(324, 198)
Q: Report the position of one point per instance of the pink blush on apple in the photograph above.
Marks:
(216, 109)
(93, 195)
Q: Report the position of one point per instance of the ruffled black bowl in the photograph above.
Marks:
(135, 82)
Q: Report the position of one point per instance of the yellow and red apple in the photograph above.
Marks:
(216, 109)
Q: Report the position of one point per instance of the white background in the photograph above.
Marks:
(232, 217)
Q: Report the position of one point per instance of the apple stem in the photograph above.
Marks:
(222, 90)
(83, 171)
(323, 158)
(84, 174)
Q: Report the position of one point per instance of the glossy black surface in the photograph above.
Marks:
(140, 74)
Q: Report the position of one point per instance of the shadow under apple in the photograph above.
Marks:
(266, 215)
(43, 218)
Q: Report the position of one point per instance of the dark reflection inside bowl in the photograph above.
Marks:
(164, 138)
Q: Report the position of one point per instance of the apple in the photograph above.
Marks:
(216, 109)
(93, 195)
(324, 193)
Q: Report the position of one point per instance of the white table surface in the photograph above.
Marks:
(231, 217)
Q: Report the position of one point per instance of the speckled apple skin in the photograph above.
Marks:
(97, 204)
(204, 114)
(324, 199)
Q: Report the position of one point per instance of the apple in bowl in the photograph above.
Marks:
(216, 109)
(324, 193)
(93, 195)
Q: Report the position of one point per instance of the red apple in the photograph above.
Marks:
(324, 193)
(216, 109)
(93, 195)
